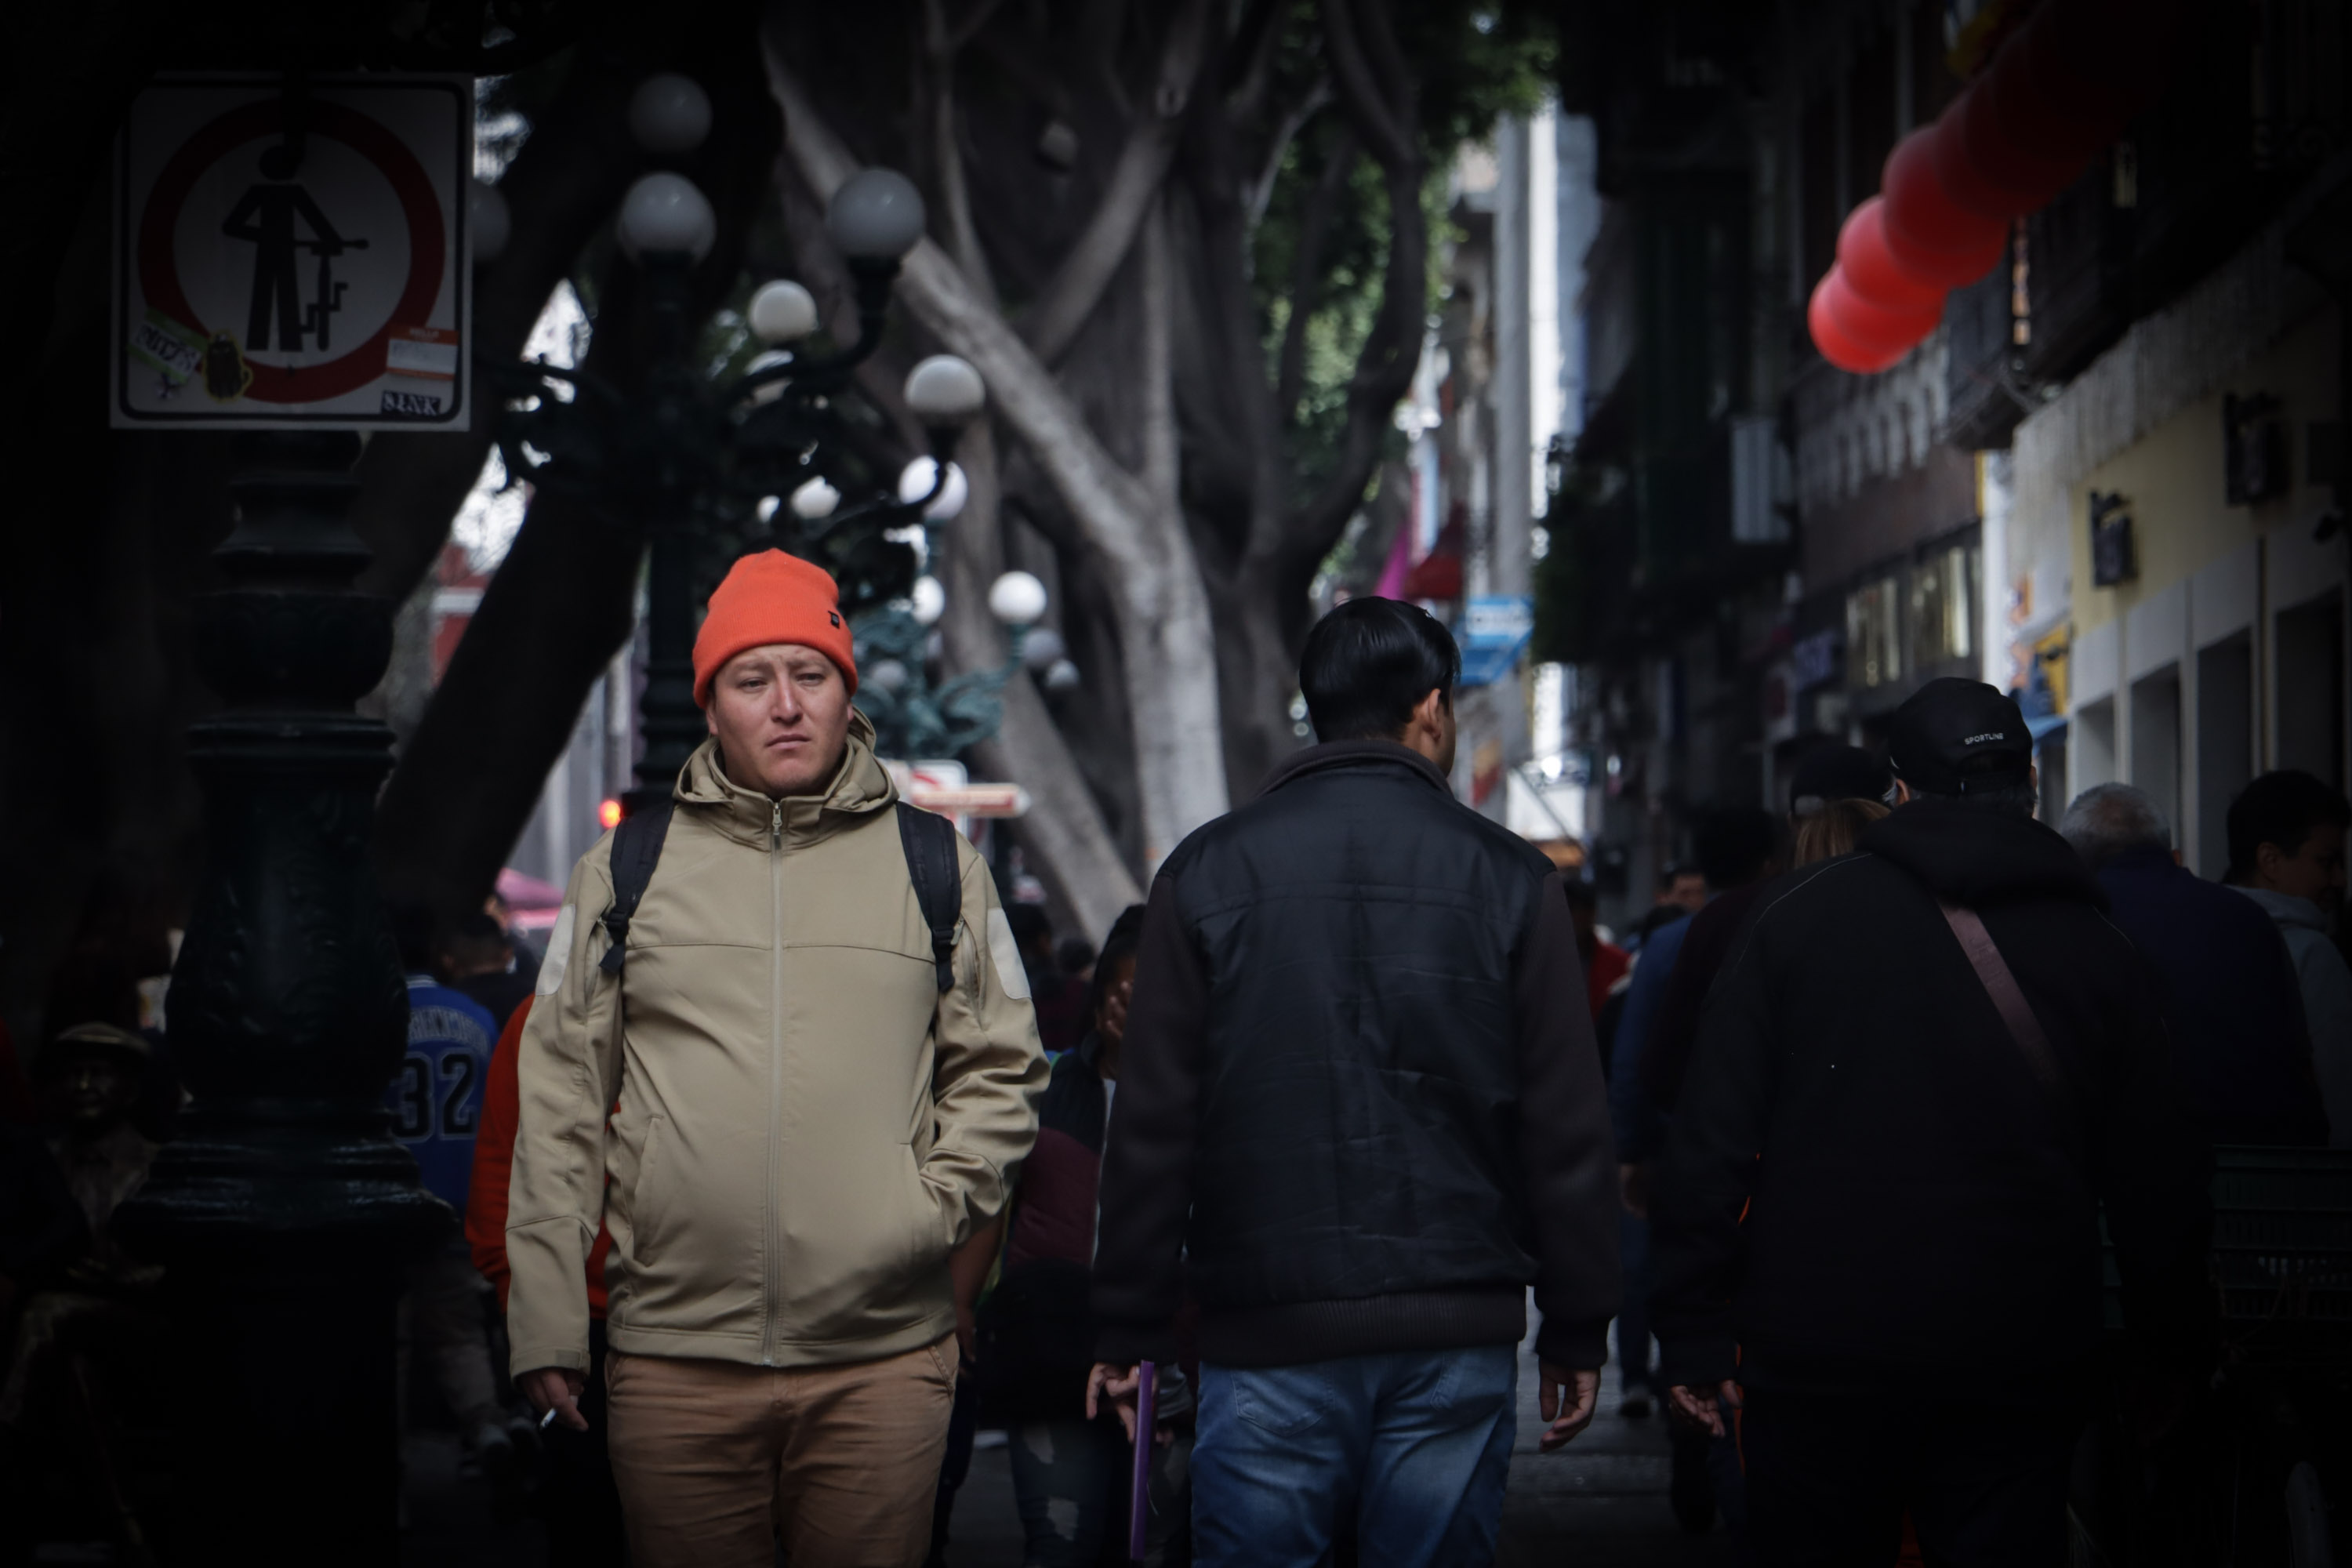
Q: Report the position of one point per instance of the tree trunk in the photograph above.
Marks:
(1064, 826)
(564, 600)
(1164, 631)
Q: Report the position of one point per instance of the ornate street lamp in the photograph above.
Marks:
(706, 467)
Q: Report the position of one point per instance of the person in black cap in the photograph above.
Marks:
(1926, 1067)
(1823, 777)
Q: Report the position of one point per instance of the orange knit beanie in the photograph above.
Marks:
(773, 597)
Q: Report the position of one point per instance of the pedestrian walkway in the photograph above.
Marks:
(1604, 1497)
(1604, 1494)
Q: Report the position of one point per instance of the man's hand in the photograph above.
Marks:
(1702, 1409)
(1116, 1385)
(555, 1388)
(1569, 1416)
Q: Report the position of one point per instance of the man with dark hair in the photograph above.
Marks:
(2229, 991)
(2286, 853)
(1926, 1067)
(1360, 1112)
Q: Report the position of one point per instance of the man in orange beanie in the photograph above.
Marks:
(820, 1081)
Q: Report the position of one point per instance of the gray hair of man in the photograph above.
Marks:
(2109, 818)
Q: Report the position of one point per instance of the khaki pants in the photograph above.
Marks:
(716, 1460)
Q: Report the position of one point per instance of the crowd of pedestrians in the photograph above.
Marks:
(801, 1157)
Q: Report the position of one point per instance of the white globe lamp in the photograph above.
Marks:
(876, 216)
(928, 601)
(669, 113)
(1016, 599)
(815, 500)
(1043, 649)
(664, 214)
(945, 391)
(915, 482)
(782, 313)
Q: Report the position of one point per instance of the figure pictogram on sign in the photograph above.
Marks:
(266, 216)
(293, 254)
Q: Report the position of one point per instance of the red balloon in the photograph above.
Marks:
(1831, 338)
(1873, 325)
(2011, 143)
(1971, 186)
(1931, 236)
(1869, 266)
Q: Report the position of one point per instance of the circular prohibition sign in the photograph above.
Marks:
(159, 276)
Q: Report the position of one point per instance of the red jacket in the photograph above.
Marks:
(486, 1199)
(1609, 965)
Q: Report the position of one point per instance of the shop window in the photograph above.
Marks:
(2225, 746)
(1941, 625)
(1873, 634)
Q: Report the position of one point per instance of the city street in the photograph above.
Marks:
(721, 685)
(1600, 1503)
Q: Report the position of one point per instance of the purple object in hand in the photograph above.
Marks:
(1147, 1410)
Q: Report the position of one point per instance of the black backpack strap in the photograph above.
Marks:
(637, 849)
(929, 840)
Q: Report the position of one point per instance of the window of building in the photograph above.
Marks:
(1873, 634)
(1942, 626)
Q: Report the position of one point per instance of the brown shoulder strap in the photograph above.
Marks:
(2011, 1002)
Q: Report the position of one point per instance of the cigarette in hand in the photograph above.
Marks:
(547, 1419)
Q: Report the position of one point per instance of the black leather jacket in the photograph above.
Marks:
(1358, 1085)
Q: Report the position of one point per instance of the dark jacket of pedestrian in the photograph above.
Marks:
(2236, 1011)
(1360, 1087)
(1867, 1184)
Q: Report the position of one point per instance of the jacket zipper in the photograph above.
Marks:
(775, 1071)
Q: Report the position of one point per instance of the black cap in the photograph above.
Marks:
(1837, 773)
(1955, 737)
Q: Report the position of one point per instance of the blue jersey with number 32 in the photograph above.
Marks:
(436, 1095)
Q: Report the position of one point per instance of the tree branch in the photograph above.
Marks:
(940, 48)
(1163, 624)
(969, 28)
(1305, 270)
(1077, 284)
(1385, 368)
(1294, 121)
(1389, 136)
(560, 190)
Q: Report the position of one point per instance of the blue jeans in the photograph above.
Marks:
(1412, 1447)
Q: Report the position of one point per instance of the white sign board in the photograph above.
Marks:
(256, 291)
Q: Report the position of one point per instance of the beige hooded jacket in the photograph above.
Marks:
(803, 1126)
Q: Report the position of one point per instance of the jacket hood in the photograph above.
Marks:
(2287, 910)
(1354, 754)
(1972, 856)
(861, 785)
